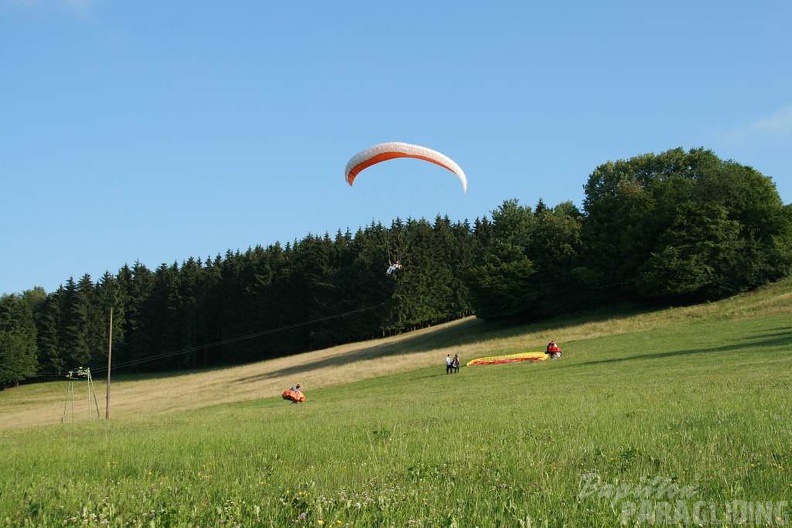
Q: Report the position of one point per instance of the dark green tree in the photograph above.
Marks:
(135, 284)
(500, 281)
(555, 250)
(71, 325)
(50, 356)
(683, 225)
(18, 352)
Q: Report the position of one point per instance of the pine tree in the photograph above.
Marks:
(18, 352)
(50, 356)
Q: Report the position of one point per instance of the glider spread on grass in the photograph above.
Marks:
(510, 358)
(388, 151)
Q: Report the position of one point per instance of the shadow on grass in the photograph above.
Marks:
(752, 345)
(464, 333)
(455, 335)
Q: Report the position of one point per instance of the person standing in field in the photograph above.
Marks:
(449, 367)
(455, 363)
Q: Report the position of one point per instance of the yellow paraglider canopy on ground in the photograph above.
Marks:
(510, 358)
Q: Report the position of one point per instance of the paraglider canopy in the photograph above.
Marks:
(508, 358)
(387, 151)
(293, 394)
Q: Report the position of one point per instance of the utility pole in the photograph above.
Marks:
(109, 365)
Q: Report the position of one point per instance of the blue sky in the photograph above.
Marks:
(157, 131)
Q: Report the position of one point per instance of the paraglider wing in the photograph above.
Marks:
(387, 151)
(294, 395)
(511, 358)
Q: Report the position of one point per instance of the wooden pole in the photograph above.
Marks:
(109, 365)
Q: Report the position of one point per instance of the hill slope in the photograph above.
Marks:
(43, 404)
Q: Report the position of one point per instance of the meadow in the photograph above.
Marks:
(671, 417)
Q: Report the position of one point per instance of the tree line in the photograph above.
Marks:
(676, 227)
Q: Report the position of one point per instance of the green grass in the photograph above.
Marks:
(690, 404)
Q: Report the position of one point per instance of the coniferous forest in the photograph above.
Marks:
(676, 227)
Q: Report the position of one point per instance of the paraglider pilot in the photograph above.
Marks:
(553, 350)
(393, 268)
(294, 394)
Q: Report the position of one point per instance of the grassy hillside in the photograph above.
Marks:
(648, 417)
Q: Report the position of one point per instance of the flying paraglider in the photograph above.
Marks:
(387, 151)
(511, 358)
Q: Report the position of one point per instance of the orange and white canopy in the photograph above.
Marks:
(387, 151)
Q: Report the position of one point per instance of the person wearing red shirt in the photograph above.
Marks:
(553, 350)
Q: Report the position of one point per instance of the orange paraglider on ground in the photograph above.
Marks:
(293, 394)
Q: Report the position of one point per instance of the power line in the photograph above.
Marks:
(235, 339)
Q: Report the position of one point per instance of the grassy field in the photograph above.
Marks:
(671, 417)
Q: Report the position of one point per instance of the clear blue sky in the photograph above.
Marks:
(156, 131)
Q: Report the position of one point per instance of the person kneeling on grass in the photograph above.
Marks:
(294, 394)
(553, 350)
